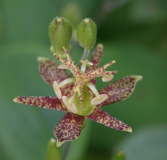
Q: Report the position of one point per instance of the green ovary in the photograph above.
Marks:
(84, 108)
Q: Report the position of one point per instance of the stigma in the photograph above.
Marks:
(81, 79)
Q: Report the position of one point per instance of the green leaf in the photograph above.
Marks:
(146, 143)
(25, 130)
(146, 104)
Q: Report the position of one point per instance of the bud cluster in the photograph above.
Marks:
(60, 33)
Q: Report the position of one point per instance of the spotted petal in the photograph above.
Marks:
(119, 90)
(50, 72)
(69, 128)
(96, 57)
(43, 102)
(104, 118)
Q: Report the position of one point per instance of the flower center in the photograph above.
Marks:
(80, 100)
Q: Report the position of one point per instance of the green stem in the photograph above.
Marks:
(66, 151)
(86, 54)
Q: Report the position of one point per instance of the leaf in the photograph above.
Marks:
(149, 142)
(25, 130)
(146, 104)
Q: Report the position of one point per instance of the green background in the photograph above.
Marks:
(134, 33)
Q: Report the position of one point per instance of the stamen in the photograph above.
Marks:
(71, 106)
(94, 90)
(84, 63)
(56, 86)
(57, 90)
(68, 80)
(99, 98)
(90, 63)
(107, 78)
(62, 66)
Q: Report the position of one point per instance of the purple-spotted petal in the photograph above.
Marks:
(69, 128)
(43, 102)
(96, 57)
(50, 72)
(104, 118)
(119, 90)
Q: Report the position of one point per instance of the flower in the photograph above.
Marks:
(78, 96)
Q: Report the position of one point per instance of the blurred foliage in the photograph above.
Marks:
(120, 155)
(149, 142)
(133, 34)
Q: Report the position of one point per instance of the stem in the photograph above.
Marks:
(66, 150)
(86, 54)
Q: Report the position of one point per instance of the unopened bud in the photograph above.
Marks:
(53, 152)
(60, 32)
(86, 33)
(120, 155)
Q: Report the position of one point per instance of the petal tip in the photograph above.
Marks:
(138, 78)
(129, 130)
(100, 46)
(58, 144)
(15, 100)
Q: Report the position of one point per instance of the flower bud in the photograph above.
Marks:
(53, 152)
(86, 33)
(60, 32)
(120, 155)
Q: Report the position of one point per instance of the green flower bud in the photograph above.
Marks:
(53, 152)
(86, 33)
(60, 32)
(120, 155)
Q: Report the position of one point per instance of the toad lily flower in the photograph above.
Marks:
(78, 96)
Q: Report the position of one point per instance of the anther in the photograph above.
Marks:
(56, 86)
(107, 78)
(69, 104)
(62, 66)
(99, 98)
